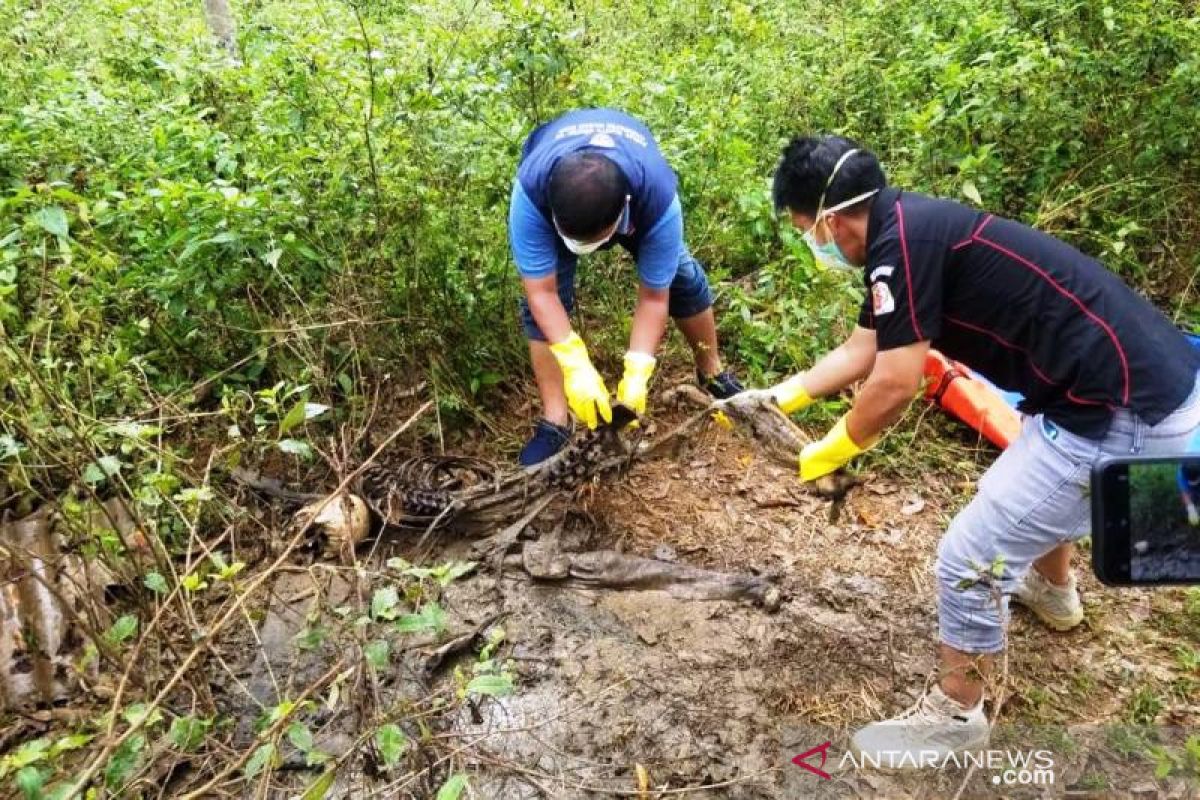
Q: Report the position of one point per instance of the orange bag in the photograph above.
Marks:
(951, 385)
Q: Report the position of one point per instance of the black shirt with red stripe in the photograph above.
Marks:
(1029, 312)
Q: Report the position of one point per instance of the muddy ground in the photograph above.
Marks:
(714, 698)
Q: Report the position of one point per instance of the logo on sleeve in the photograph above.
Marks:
(882, 301)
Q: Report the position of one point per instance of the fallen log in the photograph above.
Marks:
(48, 594)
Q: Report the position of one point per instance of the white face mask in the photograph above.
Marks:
(583, 248)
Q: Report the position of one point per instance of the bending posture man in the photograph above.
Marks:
(1102, 372)
(587, 181)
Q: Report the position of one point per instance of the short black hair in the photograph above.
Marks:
(587, 193)
(804, 170)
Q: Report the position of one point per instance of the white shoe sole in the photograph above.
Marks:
(1052, 621)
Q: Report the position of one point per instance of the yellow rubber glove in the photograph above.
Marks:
(830, 453)
(791, 394)
(586, 392)
(631, 391)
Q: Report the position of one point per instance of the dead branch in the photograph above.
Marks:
(459, 644)
(101, 758)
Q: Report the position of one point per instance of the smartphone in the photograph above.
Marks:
(1146, 520)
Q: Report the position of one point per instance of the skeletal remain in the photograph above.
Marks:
(428, 492)
(343, 522)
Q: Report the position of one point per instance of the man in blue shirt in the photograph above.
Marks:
(587, 181)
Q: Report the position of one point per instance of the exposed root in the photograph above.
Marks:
(608, 569)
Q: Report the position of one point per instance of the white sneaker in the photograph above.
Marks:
(924, 735)
(1056, 606)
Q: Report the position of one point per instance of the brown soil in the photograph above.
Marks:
(713, 699)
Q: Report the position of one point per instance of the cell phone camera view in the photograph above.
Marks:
(1146, 520)
(1164, 521)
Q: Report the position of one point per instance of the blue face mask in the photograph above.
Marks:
(829, 255)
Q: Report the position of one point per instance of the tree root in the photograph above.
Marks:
(608, 569)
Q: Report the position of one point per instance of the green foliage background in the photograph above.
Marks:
(164, 215)
(331, 211)
(1156, 510)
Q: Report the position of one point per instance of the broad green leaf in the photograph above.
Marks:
(122, 629)
(383, 603)
(53, 220)
(435, 615)
(429, 618)
(293, 418)
(391, 743)
(122, 761)
(156, 583)
(491, 685)
(377, 653)
(300, 736)
(454, 571)
(998, 567)
(30, 781)
(72, 741)
(280, 711)
(138, 712)
(193, 582)
(28, 753)
(412, 623)
(311, 637)
(264, 755)
(295, 447)
(187, 733)
(320, 787)
(453, 787)
(971, 192)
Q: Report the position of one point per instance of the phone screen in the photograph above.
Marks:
(1164, 521)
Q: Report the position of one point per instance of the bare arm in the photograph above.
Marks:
(649, 320)
(848, 362)
(547, 308)
(891, 386)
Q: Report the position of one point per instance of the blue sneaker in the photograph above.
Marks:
(547, 440)
(722, 386)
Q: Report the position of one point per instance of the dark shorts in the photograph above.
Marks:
(689, 293)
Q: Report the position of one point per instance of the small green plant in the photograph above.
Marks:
(1144, 706)
(1129, 741)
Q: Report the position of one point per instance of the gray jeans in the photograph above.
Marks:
(1035, 497)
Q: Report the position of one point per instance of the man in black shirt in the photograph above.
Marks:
(1101, 370)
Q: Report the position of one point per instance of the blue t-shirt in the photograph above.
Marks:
(535, 242)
